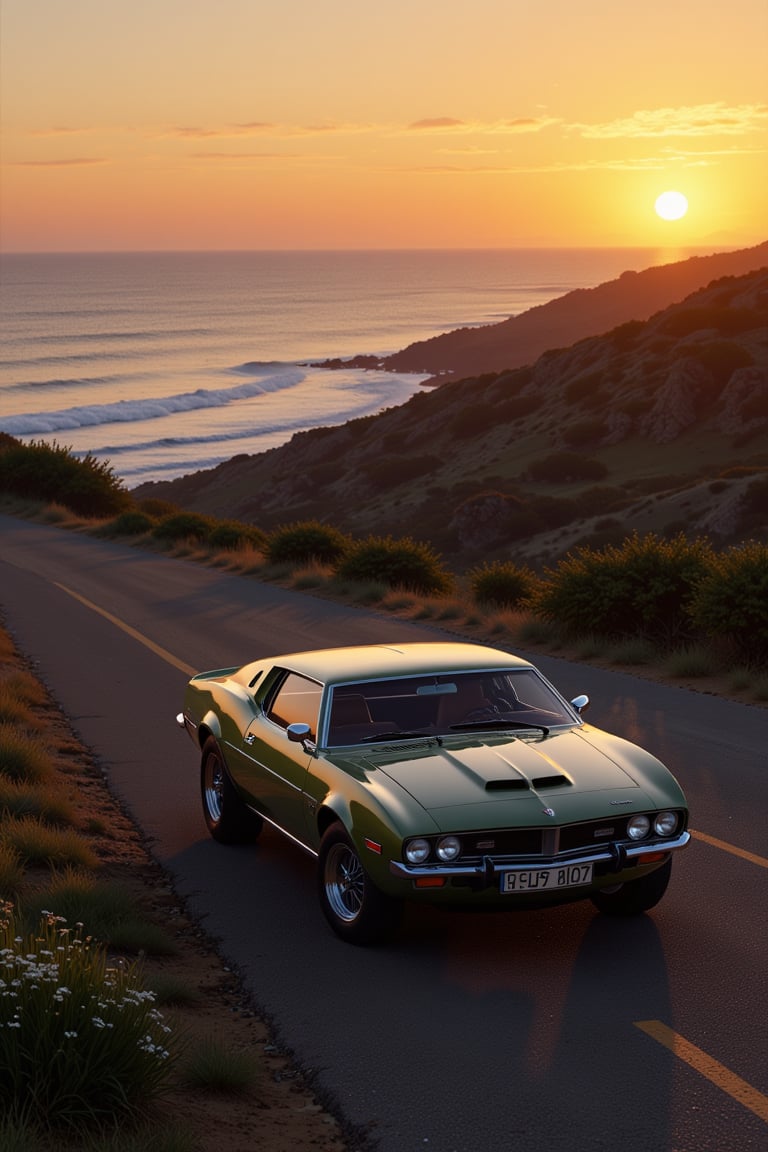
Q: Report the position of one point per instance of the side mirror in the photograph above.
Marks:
(580, 703)
(298, 733)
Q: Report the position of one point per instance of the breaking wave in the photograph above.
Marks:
(157, 408)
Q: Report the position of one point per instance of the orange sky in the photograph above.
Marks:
(148, 124)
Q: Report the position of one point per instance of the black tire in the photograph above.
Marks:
(227, 818)
(354, 907)
(636, 896)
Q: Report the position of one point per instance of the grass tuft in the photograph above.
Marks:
(24, 757)
(215, 1068)
(691, 662)
(20, 799)
(11, 871)
(38, 843)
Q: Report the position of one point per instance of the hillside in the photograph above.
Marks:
(522, 339)
(660, 424)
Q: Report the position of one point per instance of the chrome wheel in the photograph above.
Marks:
(213, 786)
(229, 820)
(354, 907)
(344, 881)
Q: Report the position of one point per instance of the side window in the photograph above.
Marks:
(297, 701)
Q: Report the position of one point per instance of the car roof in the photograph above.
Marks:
(372, 661)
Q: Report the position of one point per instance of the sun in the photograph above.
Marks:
(671, 205)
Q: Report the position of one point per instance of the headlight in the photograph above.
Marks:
(417, 851)
(449, 847)
(665, 823)
(637, 827)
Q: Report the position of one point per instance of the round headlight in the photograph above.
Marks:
(638, 826)
(417, 851)
(449, 847)
(665, 823)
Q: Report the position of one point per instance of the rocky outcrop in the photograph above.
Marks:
(744, 402)
(676, 403)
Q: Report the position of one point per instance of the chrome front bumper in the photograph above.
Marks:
(618, 856)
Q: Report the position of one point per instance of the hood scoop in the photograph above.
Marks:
(507, 784)
(520, 783)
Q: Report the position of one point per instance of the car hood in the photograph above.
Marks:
(512, 781)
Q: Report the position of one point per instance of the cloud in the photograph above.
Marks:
(435, 122)
(482, 128)
(59, 130)
(72, 161)
(697, 120)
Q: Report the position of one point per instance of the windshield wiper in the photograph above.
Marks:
(396, 736)
(497, 725)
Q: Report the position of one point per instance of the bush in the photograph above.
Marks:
(154, 507)
(307, 542)
(40, 471)
(403, 563)
(79, 1038)
(641, 587)
(228, 535)
(133, 523)
(183, 526)
(502, 584)
(731, 600)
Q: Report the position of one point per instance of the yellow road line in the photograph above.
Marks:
(761, 860)
(714, 1071)
(163, 653)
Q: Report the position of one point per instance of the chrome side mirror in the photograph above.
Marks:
(580, 703)
(298, 733)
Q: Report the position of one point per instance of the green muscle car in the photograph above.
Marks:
(449, 773)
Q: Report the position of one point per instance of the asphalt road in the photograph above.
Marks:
(470, 1033)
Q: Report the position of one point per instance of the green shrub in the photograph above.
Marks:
(81, 1039)
(640, 588)
(501, 584)
(156, 508)
(306, 542)
(403, 563)
(731, 600)
(40, 471)
(229, 535)
(183, 526)
(131, 523)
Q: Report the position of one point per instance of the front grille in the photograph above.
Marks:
(595, 832)
(504, 842)
(545, 842)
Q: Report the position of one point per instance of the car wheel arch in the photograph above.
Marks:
(208, 726)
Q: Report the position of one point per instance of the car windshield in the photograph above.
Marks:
(447, 703)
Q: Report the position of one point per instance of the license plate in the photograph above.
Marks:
(547, 879)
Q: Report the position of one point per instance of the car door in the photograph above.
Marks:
(272, 768)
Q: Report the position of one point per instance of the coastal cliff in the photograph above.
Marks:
(584, 312)
(660, 424)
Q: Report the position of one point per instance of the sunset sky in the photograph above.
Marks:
(251, 124)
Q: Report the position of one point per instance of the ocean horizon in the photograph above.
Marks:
(166, 363)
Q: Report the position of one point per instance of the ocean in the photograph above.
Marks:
(165, 363)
